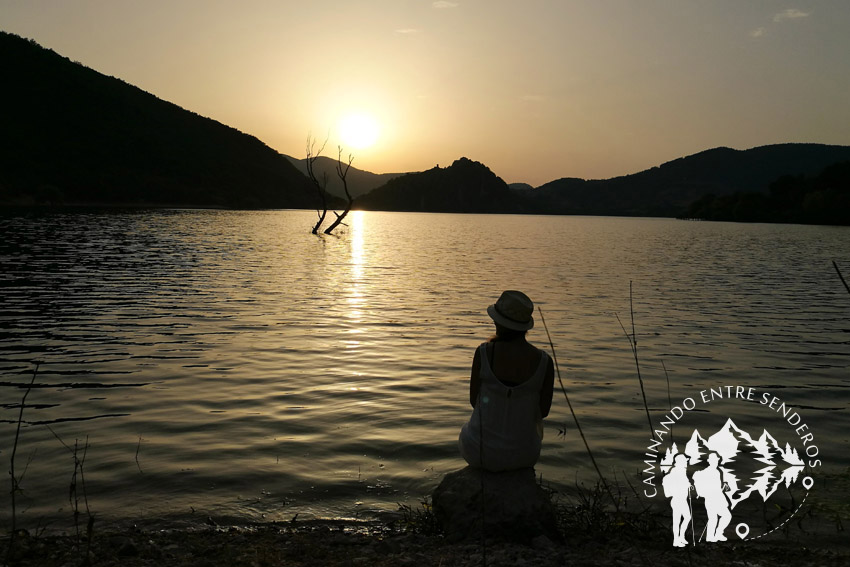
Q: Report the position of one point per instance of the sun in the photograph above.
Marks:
(358, 131)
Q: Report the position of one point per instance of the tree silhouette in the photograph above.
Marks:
(341, 173)
(312, 156)
(321, 185)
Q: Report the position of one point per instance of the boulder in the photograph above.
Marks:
(513, 505)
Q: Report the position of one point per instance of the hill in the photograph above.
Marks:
(820, 199)
(466, 186)
(76, 136)
(359, 181)
(669, 189)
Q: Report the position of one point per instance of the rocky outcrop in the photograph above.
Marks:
(512, 505)
(466, 186)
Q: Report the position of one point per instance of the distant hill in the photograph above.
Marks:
(820, 199)
(464, 187)
(73, 135)
(359, 181)
(669, 189)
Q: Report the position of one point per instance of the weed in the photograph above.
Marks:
(420, 519)
(587, 515)
(16, 481)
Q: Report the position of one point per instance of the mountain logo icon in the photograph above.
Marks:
(723, 470)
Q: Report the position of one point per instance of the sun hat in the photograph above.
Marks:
(513, 311)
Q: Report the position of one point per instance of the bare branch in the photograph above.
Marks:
(312, 156)
(342, 172)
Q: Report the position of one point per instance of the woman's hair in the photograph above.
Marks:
(505, 334)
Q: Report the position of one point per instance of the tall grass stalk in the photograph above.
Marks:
(633, 343)
(572, 411)
(139, 446)
(847, 287)
(74, 493)
(15, 480)
(669, 399)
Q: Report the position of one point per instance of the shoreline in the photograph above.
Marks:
(592, 533)
(374, 543)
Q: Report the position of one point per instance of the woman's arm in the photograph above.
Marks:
(547, 389)
(475, 378)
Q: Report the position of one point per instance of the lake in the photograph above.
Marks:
(231, 364)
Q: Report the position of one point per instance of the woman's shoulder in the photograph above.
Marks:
(541, 352)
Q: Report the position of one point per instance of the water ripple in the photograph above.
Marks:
(275, 372)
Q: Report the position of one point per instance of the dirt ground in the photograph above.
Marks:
(336, 543)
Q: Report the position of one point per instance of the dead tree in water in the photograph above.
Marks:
(341, 172)
(312, 156)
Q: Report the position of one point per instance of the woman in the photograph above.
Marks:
(510, 390)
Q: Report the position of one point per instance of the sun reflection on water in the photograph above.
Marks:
(355, 293)
(286, 361)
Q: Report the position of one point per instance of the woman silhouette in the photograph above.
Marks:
(510, 389)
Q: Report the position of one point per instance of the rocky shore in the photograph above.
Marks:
(588, 533)
(338, 543)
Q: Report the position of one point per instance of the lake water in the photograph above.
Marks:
(231, 364)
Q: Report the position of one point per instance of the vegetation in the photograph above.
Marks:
(359, 181)
(669, 189)
(464, 187)
(76, 491)
(75, 136)
(322, 184)
(820, 199)
(470, 187)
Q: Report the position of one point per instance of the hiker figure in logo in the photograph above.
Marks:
(677, 487)
(710, 486)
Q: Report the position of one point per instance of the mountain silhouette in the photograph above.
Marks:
(466, 186)
(749, 465)
(823, 198)
(696, 448)
(73, 135)
(729, 441)
(359, 181)
(768, 448)
(671, 188)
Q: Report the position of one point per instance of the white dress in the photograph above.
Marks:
(510, 419)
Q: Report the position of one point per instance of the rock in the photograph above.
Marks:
(387, 547)
(515, 507)
(127, 548)
(542, 543)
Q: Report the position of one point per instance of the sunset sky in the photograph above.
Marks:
(536, 90)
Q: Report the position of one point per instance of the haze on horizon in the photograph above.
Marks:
(536, 90)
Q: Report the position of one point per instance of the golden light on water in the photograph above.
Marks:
(355, 292)
(356, 220)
